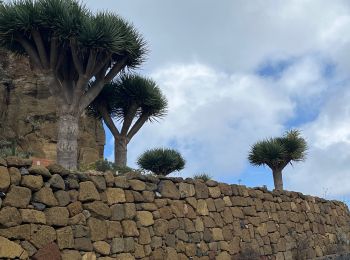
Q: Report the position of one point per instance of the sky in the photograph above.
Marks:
(236, 72)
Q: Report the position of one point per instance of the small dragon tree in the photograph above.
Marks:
(278, 152)
(133, 100)
(161, 161)
(76, 51)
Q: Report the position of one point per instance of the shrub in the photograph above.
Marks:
(161, 161)
(9, 148)
(202, 176)
(105, 165)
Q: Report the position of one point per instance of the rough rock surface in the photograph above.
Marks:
(9, 249)
(33, 122)
(106, 217)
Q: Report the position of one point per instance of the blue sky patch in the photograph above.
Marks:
(274, 68)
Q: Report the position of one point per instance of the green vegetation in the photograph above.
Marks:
(9, 148)
(77, 52)
(278, 152)
(161, 161)
(202, 176)
(133, 100)
(105, 165)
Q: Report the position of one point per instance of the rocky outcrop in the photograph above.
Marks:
(102, 216)
(28, 114)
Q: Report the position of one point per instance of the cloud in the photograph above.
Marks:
(214, 117)
(236, 35)
(240, 71)
(328, 164)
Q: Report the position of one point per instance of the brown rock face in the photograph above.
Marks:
(65, 237)
(50, 251)
(18, 197)
(41, 235)
(28, 114)
(169, 190)
(5, 179)
(10, 216)
(88, 191)
(9, 249)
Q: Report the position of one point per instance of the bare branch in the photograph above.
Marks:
(41, 48)
(79, 89)
(91, 94)
(59, 62)
(91, 63)
(115, 70)
(102, 65)
(98, 85)
(67, 89)
(77, 63)
(30, 49)
(108, 120)
(129, 117)
(102, 73)
(136, 127)
(53, 53)
(55, 86)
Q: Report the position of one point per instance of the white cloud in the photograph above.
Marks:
(304, 79)
(328, 162)
(214, 117)
(236, 35)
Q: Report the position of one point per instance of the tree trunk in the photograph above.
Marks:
(120, 150)
(277, 179)
(67, 143)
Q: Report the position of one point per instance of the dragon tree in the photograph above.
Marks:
(75, 50)
(132, 100)
(278, 152)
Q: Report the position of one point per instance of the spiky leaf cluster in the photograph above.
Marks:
(161, 161)
(278, 152)
(67, 20)
(128, 91)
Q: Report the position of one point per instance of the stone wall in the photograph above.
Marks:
(48, 212)
(28, 114)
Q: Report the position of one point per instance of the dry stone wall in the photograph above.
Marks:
(49, 213)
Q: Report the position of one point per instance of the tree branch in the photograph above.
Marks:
(115, 70)
(53, 53)
(41, 48)
(77, 63)
(67, 89)
(91, 63)
(102, 66)
(108, 120)
(59, 62)
(136, 127)
(79, 89)
(101, 73)
(129, 117)
(29, 48)
(90, 94)
(99, 83)
(55, 87)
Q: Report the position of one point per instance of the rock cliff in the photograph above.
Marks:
(28, 114)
